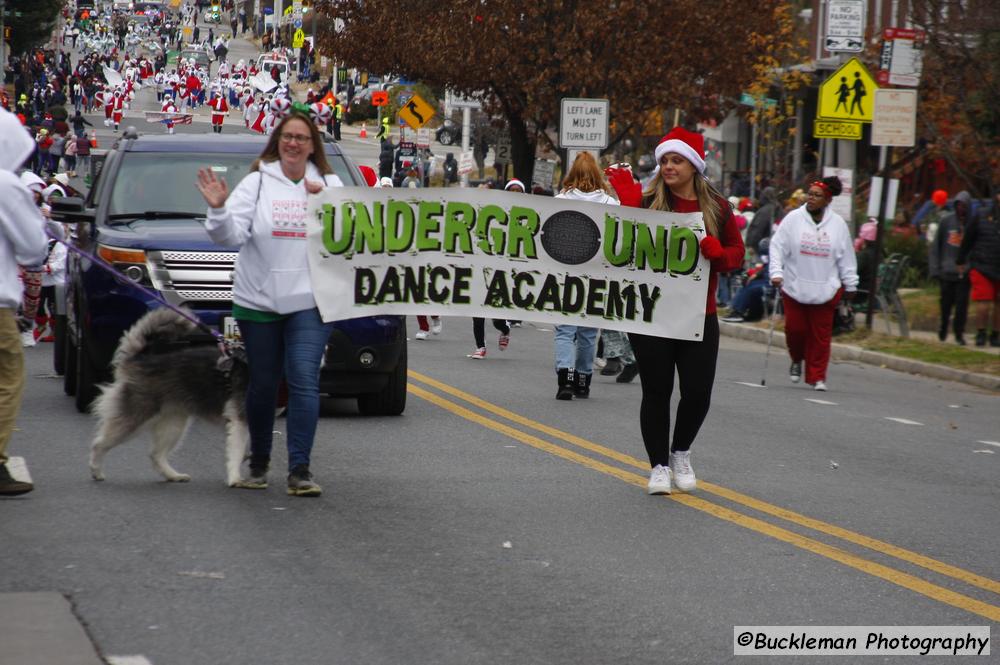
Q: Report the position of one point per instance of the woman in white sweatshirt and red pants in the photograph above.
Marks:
(812, 261)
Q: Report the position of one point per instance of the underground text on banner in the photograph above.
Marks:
(444, 251)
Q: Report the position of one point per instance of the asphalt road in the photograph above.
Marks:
(491, 523)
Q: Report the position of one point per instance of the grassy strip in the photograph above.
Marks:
(935, 352)
(939, 353)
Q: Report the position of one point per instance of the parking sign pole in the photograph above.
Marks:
(466, 130)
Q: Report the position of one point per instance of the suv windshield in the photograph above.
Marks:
(150, 182)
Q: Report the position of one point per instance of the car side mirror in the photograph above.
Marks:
(71, 210)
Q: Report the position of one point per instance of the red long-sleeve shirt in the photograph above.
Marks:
(729, 237)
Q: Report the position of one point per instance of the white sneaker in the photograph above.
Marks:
(478, 354)
(820, 386)
(421, 334)
(28, 338)
(659, 480)
(600, 363)
(680, 467)
(436, 326)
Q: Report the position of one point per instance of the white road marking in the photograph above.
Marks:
(19, 469)
(988, 452)
(954, 406)
(904, 421)
(819, 401)
(988, 443)
(128, 660)
(747, 383)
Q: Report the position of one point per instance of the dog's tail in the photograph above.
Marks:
(159, 325)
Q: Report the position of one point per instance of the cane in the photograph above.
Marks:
(770, 335)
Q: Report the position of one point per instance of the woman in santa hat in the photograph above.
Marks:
(680, 186)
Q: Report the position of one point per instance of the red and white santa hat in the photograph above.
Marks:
(689, 145)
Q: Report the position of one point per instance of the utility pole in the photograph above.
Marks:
(3, 48)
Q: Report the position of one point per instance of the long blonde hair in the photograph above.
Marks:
(586, 176)
(658, 197)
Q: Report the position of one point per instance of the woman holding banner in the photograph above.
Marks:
(273, 298)
(680, 186)
(576, 345)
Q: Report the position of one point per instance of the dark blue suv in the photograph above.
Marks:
(144, 216)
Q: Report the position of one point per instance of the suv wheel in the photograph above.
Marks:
(391, 401)
(445, 137)
(87, 376)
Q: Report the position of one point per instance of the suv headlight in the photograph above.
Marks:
(129, 262)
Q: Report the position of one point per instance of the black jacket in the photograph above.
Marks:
(981, 243)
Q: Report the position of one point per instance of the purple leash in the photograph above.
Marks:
(149, 292)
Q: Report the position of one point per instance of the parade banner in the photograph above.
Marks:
(169, 116)
(474, 252)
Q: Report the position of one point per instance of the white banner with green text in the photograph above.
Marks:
(502, 255)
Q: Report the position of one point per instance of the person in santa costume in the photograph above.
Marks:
(109, 106)
(119, 108)
(220, 109)
(680, 186)
(168, 107)
(183, 96)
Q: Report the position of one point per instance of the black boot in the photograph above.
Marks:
(995, 338)
(10, 486)
(565, 379)
(629, 372)
(613, 367)
(581, 387)
(981, 337)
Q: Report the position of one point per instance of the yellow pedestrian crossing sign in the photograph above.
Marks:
(298, 39)
(849, 94)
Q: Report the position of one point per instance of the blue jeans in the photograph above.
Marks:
(292, 347)
(575, 348)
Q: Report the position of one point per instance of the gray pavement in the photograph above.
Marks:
(491, 523)
(461, 533)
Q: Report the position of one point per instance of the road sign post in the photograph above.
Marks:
(895, 118)
(416, 112)
(847, 94)
(583, 123)
(901, 61)
(845, 26)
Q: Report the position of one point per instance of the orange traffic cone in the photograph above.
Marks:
(364, 131)
(93, 138)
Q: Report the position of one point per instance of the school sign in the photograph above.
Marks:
(459, 252)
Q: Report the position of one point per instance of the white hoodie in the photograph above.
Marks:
(272, 270)
(814, 260)
(22, 238)
(596, 196)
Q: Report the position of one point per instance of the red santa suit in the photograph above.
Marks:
(220, 108)
(119, 109)
(109, 107)
(258, 124)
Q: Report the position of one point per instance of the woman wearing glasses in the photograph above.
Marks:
(813, 263)
(265, 216)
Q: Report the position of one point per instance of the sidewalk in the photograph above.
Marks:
(758, 332)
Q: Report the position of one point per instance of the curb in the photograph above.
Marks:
(857, 354)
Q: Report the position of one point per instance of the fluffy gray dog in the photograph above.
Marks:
(163, 379)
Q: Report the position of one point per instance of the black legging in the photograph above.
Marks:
(479, 329)
(695, 363)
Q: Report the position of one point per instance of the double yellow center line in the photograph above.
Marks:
(898, 577)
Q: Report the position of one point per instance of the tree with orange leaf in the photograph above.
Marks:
(696, 55)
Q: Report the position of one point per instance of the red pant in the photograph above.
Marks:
(808, 330)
